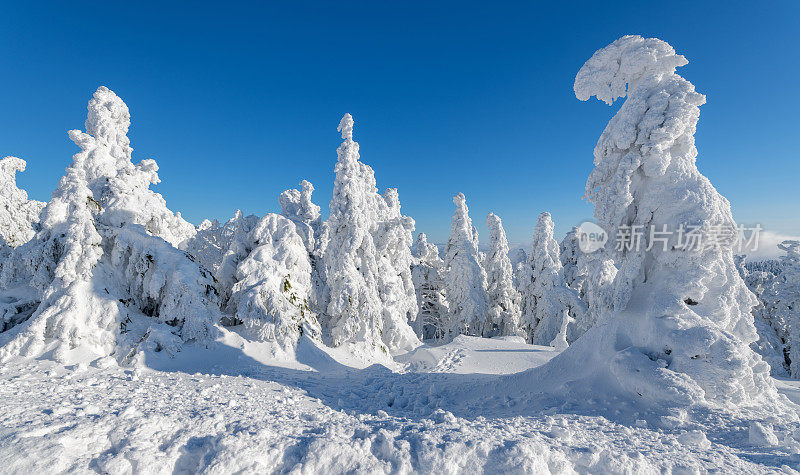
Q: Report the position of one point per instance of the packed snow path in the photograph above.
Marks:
(321, 416)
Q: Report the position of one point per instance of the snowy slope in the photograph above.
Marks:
(247, 407)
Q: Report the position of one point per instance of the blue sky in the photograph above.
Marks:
(239, 101)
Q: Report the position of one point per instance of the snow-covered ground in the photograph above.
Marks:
(243, 406)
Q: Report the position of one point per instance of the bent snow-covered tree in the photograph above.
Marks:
(504, 300)
(464, 276)
(19, 216)
(363, 305)
(102, 272)
(681, 326)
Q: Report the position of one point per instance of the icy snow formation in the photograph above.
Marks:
(680, 328)
(63, 291)
(19, 216)
(465, 278)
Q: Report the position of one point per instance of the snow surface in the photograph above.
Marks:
(241, 407)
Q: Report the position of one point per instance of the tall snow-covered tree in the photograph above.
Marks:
(19, 216)
(545, 295)
(364, 306)
(426, 272)
(504, 299)
(465, 278)
(102, 272)
(681, 328)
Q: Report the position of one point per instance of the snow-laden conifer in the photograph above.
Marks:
(273, 283)
(395, 286)
(102, 269)
(364, 306)
(464, 276)
(19, 216)
(569, 254)
(298, 207)
(432, 317)
(545, 295)
(784, 302)
(504, 299)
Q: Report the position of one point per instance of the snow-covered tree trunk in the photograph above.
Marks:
(504, 300)
(465, 278)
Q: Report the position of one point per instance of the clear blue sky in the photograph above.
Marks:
(238, 101)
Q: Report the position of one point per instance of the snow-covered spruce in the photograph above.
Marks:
(273, 283)
(464, 276)
(19, 216)
(545, 295)
(504, 299)
(393, 238)
(569, 254)
(426, 273)
(681, 328)
(364, 307)
(297, 206)
(772, 343)
(785, 302)
(63, 291)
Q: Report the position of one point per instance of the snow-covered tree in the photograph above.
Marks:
(395, 285)
(297, 206)
(464, 276)
(426, 272)
(545, 295)
(570, 253)
(102, 272)
(364, 305)
(19, 216)
(680, 329)
(504, 300)
(772, 343)
(784, 302)
(271, 295)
